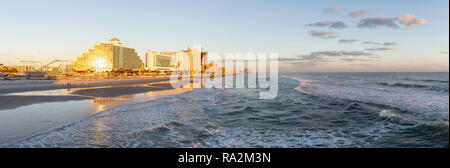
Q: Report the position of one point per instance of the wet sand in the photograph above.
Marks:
(79, 90)
(32, 107)
(122, 90)
(14, 101)
(7, 87)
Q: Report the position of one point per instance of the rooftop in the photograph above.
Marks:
(114, 39)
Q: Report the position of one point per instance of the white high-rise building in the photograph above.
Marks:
(160, 62)
(190, 60)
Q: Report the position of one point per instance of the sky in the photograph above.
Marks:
(309, 36)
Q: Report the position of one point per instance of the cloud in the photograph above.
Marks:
(353, 59)
(333, 10)
(360, 13)
(348, 40)
(390, 44)
(338, 25)
(379, 49)
(416, 23)
(288, 59)
(320, 24)
(373, 22)
(410, 21)
(303, 60)
(444, 52)
(322, 54)
(316, 58)
(355, 53)
(407, 18)
(323, 34)
(329, 24)
(370, 42)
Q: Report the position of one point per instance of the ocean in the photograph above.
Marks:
(312, 110)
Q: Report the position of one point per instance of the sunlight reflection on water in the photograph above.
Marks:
(31, 119)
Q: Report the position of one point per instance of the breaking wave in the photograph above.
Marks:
(403, 85)
(424, 106)
(411, 85)
(426, 80)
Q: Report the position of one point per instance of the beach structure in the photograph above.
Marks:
(19, 70)
(107, 56)
(36, 75)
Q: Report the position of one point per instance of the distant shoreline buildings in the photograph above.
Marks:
(114, 56)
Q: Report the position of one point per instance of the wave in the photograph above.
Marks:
(426, 80)
(410, 85)
(399, 84)
(424, 106)
(389, 114)
(439, 81)
(163, 128)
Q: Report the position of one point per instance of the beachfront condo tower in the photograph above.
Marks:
(155, 61)
(191, 60)
(107, 56)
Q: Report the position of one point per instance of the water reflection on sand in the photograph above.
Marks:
(27, 120)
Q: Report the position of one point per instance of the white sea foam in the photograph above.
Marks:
(424, 105)
(389, 114)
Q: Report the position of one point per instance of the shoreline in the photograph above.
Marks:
(16, 101)
(12, 101)
(7, 87)
(27, 113)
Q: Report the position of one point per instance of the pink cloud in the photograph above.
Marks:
(329, 24)
(357, 14)
(333, 10)
(407, 18)
(323, 34)
(410, 21)
(390, 43)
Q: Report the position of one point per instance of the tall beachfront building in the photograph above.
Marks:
(155, 61)
(190, 60)
(107, 56)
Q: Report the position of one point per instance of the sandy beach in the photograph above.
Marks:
(32, 106)
(37, 85)
(79, 90)
(7, 87)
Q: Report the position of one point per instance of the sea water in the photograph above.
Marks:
(311, 110)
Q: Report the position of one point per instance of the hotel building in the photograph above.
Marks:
(108, 56)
